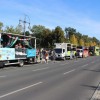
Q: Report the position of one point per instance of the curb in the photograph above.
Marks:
(96, 95)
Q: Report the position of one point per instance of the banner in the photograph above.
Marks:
(7, 53)
(31, 52)
(20, 53)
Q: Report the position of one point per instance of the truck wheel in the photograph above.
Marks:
(30, 60)
(21, 63)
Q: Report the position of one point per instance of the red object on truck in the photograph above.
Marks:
(85, 52)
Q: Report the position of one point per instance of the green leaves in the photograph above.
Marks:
(1, 26)
(47, 37)
(79, 39)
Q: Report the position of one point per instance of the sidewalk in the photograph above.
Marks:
(96, 95)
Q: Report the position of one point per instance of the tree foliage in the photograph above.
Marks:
(11, 29)
(47, 37)
(58, 35)
(1, 26)
(37, 30)
(73, 39)
(83, 40)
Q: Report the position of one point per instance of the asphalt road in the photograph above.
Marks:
(62, 80)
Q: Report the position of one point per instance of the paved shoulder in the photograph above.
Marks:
(96, 95)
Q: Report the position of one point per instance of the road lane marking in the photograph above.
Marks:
(40, 69)
(69, 72)
(10, 93)
(2, 76)
(84, 65)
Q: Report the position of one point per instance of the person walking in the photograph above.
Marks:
(71, 55)
(41, 56)
(46, 57)
(54, 56)
(76, 55)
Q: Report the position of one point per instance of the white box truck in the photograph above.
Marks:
(62, 50)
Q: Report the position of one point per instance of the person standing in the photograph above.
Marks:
(41, 56)
(76, 55)
(54, 56)
(71, 55)
(46, 57)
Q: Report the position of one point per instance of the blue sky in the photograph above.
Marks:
(83, 15)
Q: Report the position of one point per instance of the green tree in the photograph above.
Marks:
(73, 39)
(27, 33)
(58, 35)
(69, 32)
(1, 26)
(86, 40)
(79, 36)
(96, 41)
(17, 30)
(81, 42)
(9, 29)
(37, 31)
(46, 38)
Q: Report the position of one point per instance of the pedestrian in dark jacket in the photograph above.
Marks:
(76, 55)
(41, 57)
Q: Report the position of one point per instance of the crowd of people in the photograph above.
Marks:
(19, 45)
(46, 55)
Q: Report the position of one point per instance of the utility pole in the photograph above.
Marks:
(24, 22)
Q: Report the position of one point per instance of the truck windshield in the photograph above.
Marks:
(79, 51)
(73, 49)
(58, 50)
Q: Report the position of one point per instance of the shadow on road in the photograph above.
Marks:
(90, 87)
(97, 70)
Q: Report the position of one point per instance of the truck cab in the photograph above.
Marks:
(80, 53)
(60, 53)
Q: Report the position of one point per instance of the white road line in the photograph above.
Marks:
(10, 93)
(69, 72)
(84, 65)
(40, 69)
(2, 76)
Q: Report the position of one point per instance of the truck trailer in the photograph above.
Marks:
(16, 49)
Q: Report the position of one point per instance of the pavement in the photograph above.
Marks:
(53, 81)
(96, 95)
